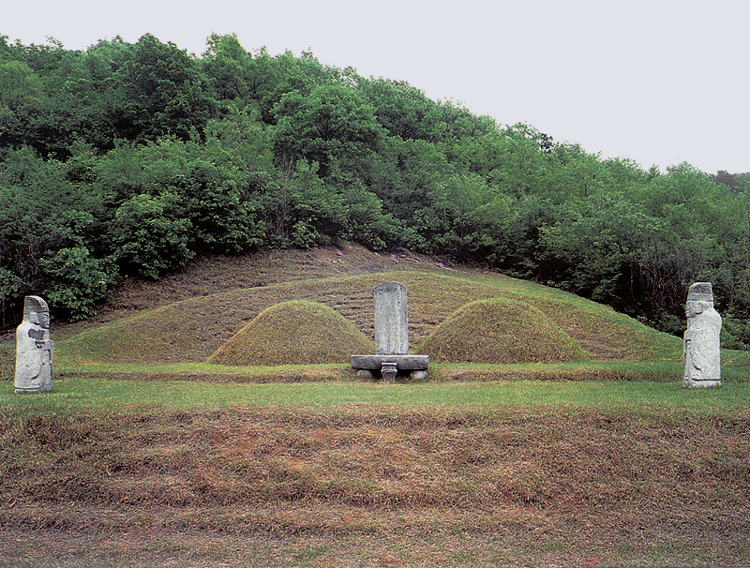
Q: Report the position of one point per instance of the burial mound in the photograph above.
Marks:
(500, 330)
(294, 333)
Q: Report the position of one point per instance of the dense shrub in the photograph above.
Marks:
(150, 236)
(77, 281)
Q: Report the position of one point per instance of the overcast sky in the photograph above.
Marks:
(658, 81)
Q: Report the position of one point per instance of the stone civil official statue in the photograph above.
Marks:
(702, 345)
(35, 351)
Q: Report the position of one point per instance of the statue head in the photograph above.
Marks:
(700, 298)
(36, 311)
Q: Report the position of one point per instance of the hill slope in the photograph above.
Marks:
(191, 329)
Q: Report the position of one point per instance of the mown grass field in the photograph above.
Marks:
(151, 460)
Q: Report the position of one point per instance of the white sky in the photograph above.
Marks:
(658, 81)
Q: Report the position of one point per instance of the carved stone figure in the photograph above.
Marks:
(35, 351)
(702, 352)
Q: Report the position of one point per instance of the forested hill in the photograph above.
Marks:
(130, 159)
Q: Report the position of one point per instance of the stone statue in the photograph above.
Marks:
(35, 351)
(702, 353)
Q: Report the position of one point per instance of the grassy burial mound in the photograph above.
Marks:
(501, 331)
(294, 333)
(190, 331)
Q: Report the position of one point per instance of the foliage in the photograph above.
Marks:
(150, 236)
(77, 281)
(145, 156)
(332, 122)
(161, 91)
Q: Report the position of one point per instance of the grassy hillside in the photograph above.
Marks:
(190, 330)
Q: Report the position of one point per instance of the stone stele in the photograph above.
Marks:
(391, 319)
(35, 351)
(391, 337)
(702, 348)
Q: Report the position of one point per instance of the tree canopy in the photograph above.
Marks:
(131, 159)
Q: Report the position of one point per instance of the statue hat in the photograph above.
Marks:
(33, 304)
(701, 292)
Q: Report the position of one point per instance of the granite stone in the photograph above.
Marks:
(391, 319)
(35, 350)
(391, 338)
(702, 345)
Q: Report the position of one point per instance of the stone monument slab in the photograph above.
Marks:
(391, 337)
(391, 319)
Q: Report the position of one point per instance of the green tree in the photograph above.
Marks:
(20, 92)
(303, 209)
(210, 191)
(407, 174)
(402, 110)
(76, 282)
(41, 213)
(160, 91)
(589, 248)
(229, 68)
(333, 122)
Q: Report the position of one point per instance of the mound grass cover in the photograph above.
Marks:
(296, 332)
(190, 331)
(501, 331)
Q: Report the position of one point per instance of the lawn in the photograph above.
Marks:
(346, 473)
(95, 394)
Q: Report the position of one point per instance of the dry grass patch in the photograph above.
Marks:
(297, 332)
(501, 331)
(621, 482)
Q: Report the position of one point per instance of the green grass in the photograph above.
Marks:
(191, 330)
(108, 395)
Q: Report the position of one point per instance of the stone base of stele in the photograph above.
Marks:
(389, 366)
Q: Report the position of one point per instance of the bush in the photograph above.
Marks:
(11, 289)
(149, 236)
(77, 281)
